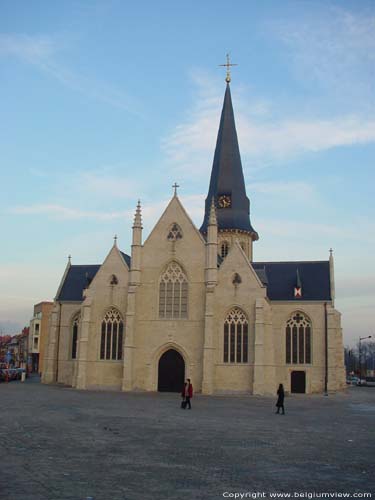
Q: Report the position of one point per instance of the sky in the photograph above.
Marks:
(105, 102)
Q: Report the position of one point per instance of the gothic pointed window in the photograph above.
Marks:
(236, 337)
(298, 339)
(111, 339)
(224, 249)
(173, 293)
(174, 233)
(75, 326)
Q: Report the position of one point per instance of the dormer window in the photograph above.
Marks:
(175, 232)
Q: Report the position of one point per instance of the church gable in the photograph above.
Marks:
(237, 273)
(174, 237)
(114, 272)
(173, 223)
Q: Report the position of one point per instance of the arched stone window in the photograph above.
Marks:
(174, 233)
(111, 336)
(173, 293)
(224, 249)
(298, 339)
(236, 337)
(75, 326)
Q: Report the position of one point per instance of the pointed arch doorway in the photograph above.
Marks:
(171, 372)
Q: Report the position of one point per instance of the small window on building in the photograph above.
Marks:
(114, 280)
(75, 327)
(236, 280)
(36, 328)
(224, 249)
(174, 233)
(36, 343)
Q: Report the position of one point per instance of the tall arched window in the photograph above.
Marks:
(224, 249)
(298, 339)
(75, 326)
(236, 337)
(173, 293)
(112, 335)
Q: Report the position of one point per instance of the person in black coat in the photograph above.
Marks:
(280, 399)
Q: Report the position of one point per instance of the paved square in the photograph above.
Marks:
(62, 444)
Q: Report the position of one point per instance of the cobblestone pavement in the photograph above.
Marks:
(57, 443)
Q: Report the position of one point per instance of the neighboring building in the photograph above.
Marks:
(23, 346)
(39, 325)
(4, 342)
(14, 352)
(192, 303)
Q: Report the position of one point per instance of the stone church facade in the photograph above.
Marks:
(191, 302)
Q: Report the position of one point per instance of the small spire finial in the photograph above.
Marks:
(69, 259)
(138, 216)
(228, 65)
(330, 252)
(115, 240)
(175, 186)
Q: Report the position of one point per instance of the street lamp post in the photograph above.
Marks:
(360, 359)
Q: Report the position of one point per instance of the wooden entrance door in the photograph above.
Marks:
(298, 382)
(171, 374)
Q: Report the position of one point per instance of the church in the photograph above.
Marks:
(192, 303)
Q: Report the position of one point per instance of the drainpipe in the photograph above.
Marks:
(58, 344)
(325, 350)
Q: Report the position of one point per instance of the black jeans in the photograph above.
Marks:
(187, 401)
(278, 409)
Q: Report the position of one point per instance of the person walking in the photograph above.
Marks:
(187, 394)
(280, 399)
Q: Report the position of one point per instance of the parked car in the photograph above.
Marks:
(361, 381)
(352, 380)
(9, 374)
(370, 381)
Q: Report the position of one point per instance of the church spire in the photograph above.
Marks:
(227, 185)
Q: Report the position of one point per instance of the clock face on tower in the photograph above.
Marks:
(224, 201)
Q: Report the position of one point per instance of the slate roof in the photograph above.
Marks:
(78, 278)
(281, 278)
(126, 258)
(227, 176)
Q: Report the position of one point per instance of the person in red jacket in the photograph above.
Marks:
(187, 393)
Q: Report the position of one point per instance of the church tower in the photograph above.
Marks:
(227, 187)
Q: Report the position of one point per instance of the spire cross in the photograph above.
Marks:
(175, 186)
(228, 65)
